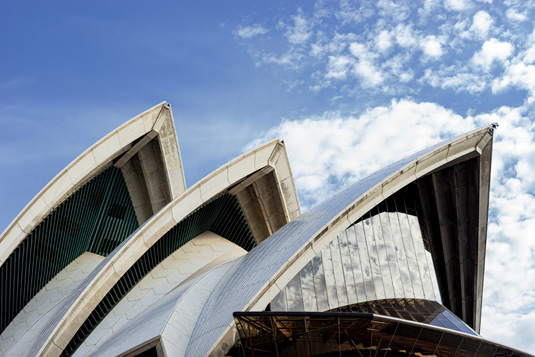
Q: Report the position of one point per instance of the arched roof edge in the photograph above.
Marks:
(74, 174)
(440, 155)
(77, 307)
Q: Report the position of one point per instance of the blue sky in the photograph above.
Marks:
(349, 86)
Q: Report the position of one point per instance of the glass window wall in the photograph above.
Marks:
(379, 257)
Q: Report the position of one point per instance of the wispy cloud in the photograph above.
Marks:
(251, 31)
(298, 32)
(458, 51)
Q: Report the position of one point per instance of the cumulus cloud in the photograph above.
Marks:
(250, 31)
(515, 16)
(457, 5)
(365, 67)
(431, 47)
(300, 32)
(516, 75)
(456, 79)
(338, 67)
(481, 23)
(333, 149)
(493, 51)
(394, 37)
(383, 41)
(405, 36)
(508, 304)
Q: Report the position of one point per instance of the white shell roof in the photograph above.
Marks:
(254, 280)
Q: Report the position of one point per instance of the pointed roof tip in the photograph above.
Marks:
(493, 126)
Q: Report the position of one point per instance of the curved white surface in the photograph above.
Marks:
(258, 277)
(24, 327)
(69, 317)
(172, 319)
(80, 170)
(192, 259)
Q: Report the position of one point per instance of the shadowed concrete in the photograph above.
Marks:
(262, 205)
(454, 206)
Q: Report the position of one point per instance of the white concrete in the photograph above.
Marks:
(413, 169)
(76, 309)
(34, 315)
(87, 165)
(195, 257)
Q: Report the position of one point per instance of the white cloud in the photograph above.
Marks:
(300, 32)
(405, 36)
(365, 67)
(290, 59)
(515, 16)
(396, 10)
(251, 31)
(519, 75)
(338, 67)
(370, 75)
(508, 304)
(428, 7)
(481, 23)
(431, 47)
(347, 147)
(383, 41)
(457, 5)
(491, 51)
(456, 79)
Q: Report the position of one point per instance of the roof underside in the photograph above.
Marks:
(454, 205)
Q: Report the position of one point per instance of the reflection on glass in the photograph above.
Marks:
(348, 268)
(449, 345)
(293, 294)
(401, 255)
(279, 302)
(319, 284)
(365, 262)
(332, 296)
(411, 256)
(391, 254)
(309, 293)
(419, 249)
(338, 273)
(433, 274)
(374, 259)
(357, 267)
(382, 256)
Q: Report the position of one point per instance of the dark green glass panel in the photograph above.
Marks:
(222, 215)
(95, 218)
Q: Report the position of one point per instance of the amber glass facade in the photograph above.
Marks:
(353, 334)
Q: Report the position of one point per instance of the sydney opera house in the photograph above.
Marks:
(116, 256)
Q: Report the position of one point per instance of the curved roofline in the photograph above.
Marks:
(149, 124)
(450, 151)
(445, 153)
(268, 157)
